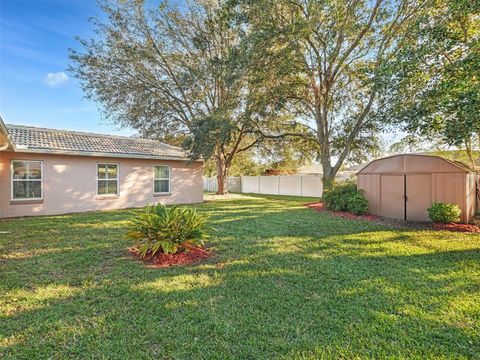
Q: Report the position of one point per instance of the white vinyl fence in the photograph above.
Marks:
(233, 184)
(294, 185)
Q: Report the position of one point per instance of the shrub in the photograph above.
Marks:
(346, 197)
(444, 213)
(357, 204)
(168, 230)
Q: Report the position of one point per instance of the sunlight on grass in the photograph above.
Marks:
(20, 300)
(179, 283)
(284, 282)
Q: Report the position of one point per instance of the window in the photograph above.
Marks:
(107, 179)
(27, 180)
(161, 179)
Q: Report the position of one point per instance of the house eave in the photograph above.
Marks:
(5, 141)
(103, 154)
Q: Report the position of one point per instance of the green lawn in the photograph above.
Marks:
(286, 282)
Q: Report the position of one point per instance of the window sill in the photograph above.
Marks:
(161, 194)
(26, 202)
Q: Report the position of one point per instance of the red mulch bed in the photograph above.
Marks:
(161, 260)
(467, 228)
(318, 206)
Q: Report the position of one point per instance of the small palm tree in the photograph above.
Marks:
(168, 230)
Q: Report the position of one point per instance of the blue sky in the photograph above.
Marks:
(34, 87)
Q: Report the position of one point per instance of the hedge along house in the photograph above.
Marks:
(404, 186)
(47, 172)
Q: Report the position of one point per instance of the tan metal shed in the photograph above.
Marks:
(404, 186)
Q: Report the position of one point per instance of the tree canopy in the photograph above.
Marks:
(177, 71)
(433, 87)
(326, 59)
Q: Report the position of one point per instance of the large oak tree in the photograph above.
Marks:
(327, 59)
(177, 71)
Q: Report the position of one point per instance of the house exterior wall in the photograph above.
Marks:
(69, 184)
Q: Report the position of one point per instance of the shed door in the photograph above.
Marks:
(419, 197)
(392, 199)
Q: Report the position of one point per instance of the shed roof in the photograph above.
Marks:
(41, 140)
(410, 163)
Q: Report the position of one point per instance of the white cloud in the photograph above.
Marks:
(55, 79)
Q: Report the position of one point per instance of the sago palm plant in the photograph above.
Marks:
(168, 230)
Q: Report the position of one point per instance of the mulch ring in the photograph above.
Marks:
(467, 228)
(194, 255)
(318, 206)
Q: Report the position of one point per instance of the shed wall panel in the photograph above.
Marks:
(392, 196)
(451, 188)
(471, 197)
(419, 196)
(370, 185)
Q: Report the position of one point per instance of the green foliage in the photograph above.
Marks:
(179, 71)
(357, 204)
(346, 197)
(168, 230)
(444, 212)
(324, 60)
(432, 85)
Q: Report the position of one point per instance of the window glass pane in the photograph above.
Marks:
(34, 170)
(161, 172)
(102, 187)
(27, 189)
(162, 186)
(27, 170)
(112, 171)
(112, 187)
(107, 187)
(101, 171)
(19, 170)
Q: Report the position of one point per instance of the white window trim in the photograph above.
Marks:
(117, 179)
(12, 180)
(169, 180)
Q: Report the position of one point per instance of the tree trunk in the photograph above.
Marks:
(328, 174)
(468, 148)
(222, 175)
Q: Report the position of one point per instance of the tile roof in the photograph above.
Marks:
(33, 139)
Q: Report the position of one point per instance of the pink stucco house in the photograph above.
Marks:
(48, 172)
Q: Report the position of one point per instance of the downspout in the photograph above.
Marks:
(4, 146)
